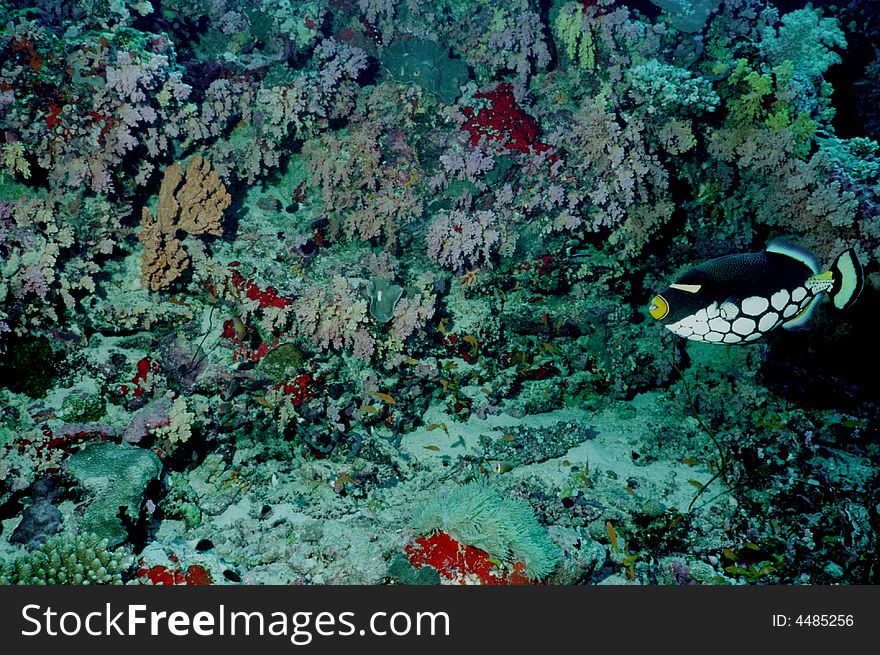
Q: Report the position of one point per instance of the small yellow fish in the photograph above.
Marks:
(507, 437)
(432, 447)
(262, 400)
(471, 339)
(384, 397)
(438, 426)
(239, 327)
(612, 535)
(550, 348)
(411, 361)
(369, 409)
(441, 326)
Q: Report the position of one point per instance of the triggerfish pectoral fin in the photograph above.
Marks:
(804, 317)
(848, 279)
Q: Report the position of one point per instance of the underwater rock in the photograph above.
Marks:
(146, 419)
(581, 555)
(183, 361)
(400, 569)
(523, 444)
(38, 522)
(116, 476)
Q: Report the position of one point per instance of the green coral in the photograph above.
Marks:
(768, 99)
(672, 90)
(67, 560)
(82, 408)
(753, 87)
(280, 362)
(427, 64)
(859, 156)
(575, 38)
(686, 15)
(117, 476)
(806, 39)
(478, 515)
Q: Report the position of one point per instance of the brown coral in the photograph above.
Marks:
(191, 203)
(202, 199)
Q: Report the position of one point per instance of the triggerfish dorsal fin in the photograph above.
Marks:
(848, 279)
(789, 249)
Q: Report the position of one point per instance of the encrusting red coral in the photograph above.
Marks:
(503, 120)
(194, 575)
(460, 563)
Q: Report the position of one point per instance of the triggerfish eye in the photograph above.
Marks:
(659, 307)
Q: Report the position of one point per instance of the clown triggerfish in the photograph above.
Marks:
(740, 298)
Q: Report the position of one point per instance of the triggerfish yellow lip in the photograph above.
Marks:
(659, 307)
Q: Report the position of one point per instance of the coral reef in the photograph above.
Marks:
(277, 273)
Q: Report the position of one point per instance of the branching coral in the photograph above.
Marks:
(191, 203)
(336, 317)
(82, 105)
(366, 196)
(49, 244)
(460, 240)
(67, 560)
(574, 33)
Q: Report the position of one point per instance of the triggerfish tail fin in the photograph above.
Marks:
(848, 279)
(842, 282)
